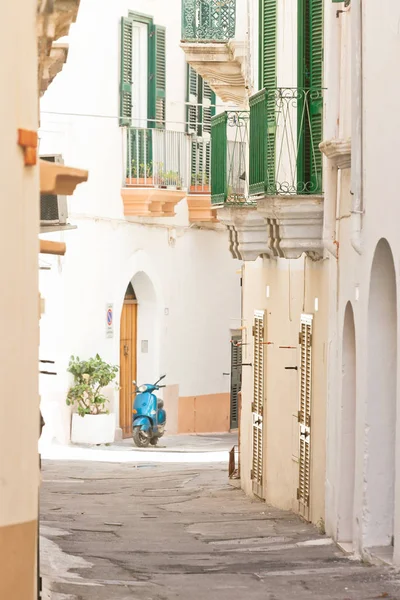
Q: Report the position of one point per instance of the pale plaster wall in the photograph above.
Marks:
(293, 287)
(381, 122)
(19, 300)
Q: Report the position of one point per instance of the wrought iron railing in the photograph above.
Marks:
(157, 158)
(285, 133)
(200, 165)
(208, 20)
(229, 157)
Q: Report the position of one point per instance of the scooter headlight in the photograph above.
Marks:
(142, 388)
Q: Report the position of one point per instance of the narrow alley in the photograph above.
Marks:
(119, 523)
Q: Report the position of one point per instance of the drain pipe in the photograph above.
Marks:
(357, 163)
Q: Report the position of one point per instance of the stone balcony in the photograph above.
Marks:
(213, 39)
(53, 21)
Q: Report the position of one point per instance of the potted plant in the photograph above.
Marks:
(166, 179)
(200, 183)
(141, 174)
(92, 423)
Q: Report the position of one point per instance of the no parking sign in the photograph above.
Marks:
(109, 321)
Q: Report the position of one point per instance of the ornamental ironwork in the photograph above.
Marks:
(208, 20)
(285, 133)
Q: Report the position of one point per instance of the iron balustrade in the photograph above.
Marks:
(208, 20)
(285, 133)
(157, 158)
(200, 164)
(229, 157)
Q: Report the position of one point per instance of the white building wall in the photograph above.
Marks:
(193, 279)
(377, 424)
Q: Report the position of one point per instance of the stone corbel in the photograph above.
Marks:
(294, 225)
(339, 151)
(248, 236)
(59, 179)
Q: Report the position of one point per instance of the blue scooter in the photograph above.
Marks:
(148, 415)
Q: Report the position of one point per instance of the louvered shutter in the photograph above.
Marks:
(316, 104)
(268, 75)
(209, 107)
(236, 379)
(304, 416)
(157, 76)
(126, 72)
(191, 99)
(258, 404)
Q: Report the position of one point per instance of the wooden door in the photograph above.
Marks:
(127, 365)
(236, 379)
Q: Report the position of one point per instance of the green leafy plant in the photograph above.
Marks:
(164, 178)
(143, 170)
(90, 377)
(200, 179)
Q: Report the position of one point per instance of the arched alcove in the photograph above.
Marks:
(348, 429)
(380, 426)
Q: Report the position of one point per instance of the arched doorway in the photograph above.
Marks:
(380, 424)
(128, 359)
(139, 343)
(348, 429)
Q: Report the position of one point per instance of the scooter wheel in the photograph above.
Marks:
(140, 439)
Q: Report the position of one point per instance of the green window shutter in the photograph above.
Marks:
(192, 95)
(209, 109)
(268, 45)
(125, 113)
(268, 77)
(157, 76)
(310, 105)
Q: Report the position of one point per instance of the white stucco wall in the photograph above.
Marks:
(374, 409)
(196, 289)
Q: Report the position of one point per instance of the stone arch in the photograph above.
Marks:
(380, 425)
(348, 429)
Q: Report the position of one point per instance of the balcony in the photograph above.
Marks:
(214, 47)
(285, 176)
(157, 171)
(230, 186)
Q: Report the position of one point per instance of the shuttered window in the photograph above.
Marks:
(304, 415)
(236, 379)
(200, 108)
(156, 86)
(258, 404)
(268, 80)
(126, 72)
(310, 77)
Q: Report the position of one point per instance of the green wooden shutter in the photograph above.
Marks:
(268, 75)
(310, 105)
(125, 113)
(191, 98)
(209, 110)
(157, 76)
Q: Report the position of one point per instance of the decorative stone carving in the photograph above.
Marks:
(339, 151)
(248, 236)
(294, 225)
(54, 18)
(222, 65)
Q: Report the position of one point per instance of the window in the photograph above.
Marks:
(143, 72)
(200, 109)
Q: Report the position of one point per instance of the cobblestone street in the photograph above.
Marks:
(165, 524)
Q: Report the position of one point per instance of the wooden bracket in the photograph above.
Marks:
(57, 248)
(28, 140)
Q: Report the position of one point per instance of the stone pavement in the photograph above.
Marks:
(119, 524)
